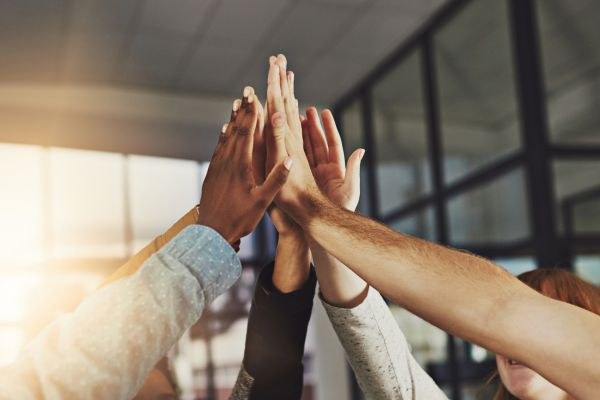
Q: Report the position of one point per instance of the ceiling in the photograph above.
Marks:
(203, 47)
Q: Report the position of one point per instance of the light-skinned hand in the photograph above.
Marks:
(286, 136)
(323, 148)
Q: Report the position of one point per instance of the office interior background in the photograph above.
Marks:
(481, 121)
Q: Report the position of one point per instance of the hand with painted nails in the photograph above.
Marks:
(233, 200)
(285, 139)
(341, 184)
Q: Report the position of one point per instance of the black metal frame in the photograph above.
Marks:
(571, 238)
(534, 157)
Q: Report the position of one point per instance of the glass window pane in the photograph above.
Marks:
(161, 190)
(586, 216)
(427, 342)
(516, 265)
(87, 204)
(21, 233)
(494, 213)
(476, 87)
(572, 178)
(248, 247)
(403, 171)
(571, 59)
(588, 268)
(422, 225)
(353, 138)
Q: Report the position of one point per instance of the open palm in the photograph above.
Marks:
(323, 148)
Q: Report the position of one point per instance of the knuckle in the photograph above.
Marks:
(246, 170)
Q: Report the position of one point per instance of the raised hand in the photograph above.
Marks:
(286, 140)
(233, 201)
(326, 158)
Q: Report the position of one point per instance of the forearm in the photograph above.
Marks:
(379, 353)
(277, 326)
(339, 286)
(135, 262)
(107, 347)
(459, 292)
(292, 262)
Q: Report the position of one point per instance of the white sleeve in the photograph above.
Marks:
(379, 353)
(108, 345)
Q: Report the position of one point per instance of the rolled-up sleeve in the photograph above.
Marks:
(379, 353)
(108, 345)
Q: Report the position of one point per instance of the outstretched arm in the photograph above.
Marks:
(281, 308)
(106, 348)
(375, 346)
(459, 292)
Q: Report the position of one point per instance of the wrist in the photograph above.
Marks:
(292, 265)
(202, 219)
(292, 238)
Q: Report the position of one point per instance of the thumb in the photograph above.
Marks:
(275, 181)
(353, 170)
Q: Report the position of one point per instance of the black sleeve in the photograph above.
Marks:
(275, 338)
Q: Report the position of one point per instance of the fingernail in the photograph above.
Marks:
(362, 153)
(282, 59)
(250, 99)
(247, 91)
(288, 163)
(272, 60)
(236, 105)
(224, 128)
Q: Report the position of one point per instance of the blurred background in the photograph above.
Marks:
(480, 119)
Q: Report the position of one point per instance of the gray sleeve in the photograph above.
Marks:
(108, 345)
(243, 386)
(379, 353)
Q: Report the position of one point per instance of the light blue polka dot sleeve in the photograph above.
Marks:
(107, 347)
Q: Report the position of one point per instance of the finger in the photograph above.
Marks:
(259, 155)
(334, 141)
(274, 97)
(259, 150)
(275, 116)
(317, 137)
(292, 105)
(247, 97)
(237, 103)
(290, 79)
(217, 153)
(260, 124)
(353, 169)
(288, 100)
(226, 133)
(243, 138)
(274, 182)
(308, 149)
(285, 88)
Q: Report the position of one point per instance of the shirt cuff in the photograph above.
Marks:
(355, 314)
(267, 295)
(208, 256)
